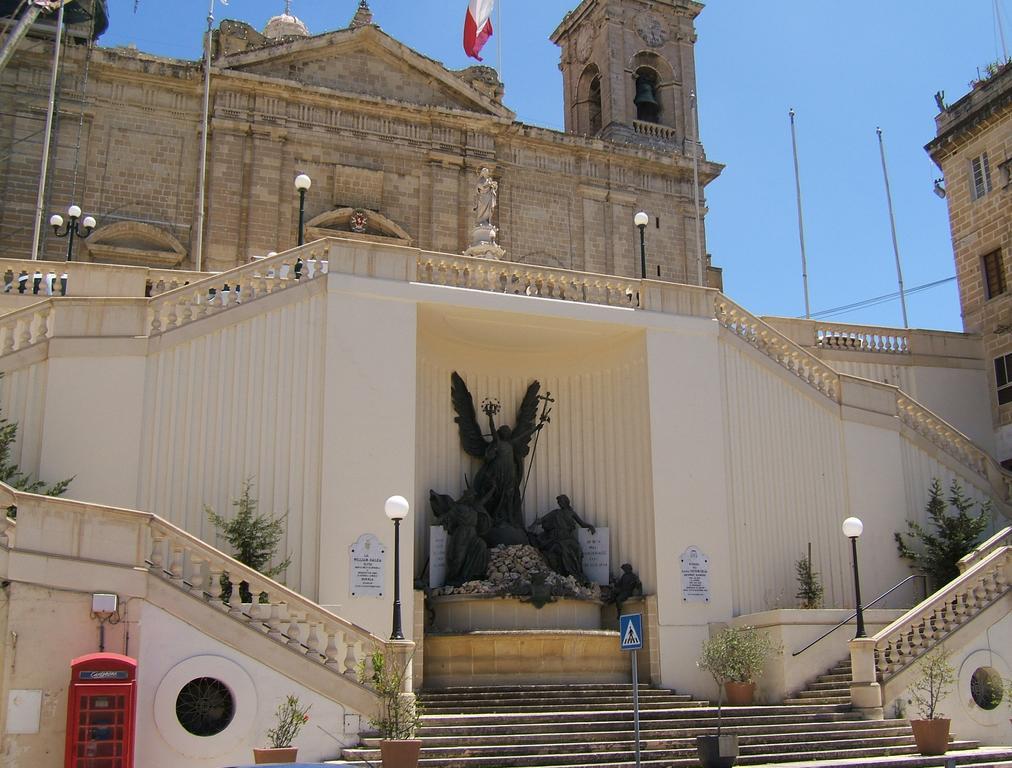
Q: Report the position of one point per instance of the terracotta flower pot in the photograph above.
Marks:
(279, 755)
(931, 736)
(400, 753)
(739, 694)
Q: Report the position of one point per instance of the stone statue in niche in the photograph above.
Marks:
(625, 585)
(502, 452)
(555, 535)
(465, 521)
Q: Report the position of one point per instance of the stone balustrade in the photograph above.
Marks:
(878, 661)
(1001, 539)
(25, 327)
(72, 530)
(944, 435)
(654, 130)
(214, 294)
(72, 278)
(283, 615)
(521, 279)
(862, 339)
(777, 347)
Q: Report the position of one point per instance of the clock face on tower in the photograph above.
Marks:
(651, 29)
(584, 44)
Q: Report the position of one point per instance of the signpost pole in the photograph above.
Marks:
(636, 703)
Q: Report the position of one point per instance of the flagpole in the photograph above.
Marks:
(198, 250)
(40, 202)
(892, 224)
(695, 189)
(801, 220)
(498, 36)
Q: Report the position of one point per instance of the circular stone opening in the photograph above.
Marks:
(205, 706)
(986, 688)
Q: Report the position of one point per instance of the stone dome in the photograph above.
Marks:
(285, 25)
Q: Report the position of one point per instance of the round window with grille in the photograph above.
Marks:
(986, 688)
(205, 706)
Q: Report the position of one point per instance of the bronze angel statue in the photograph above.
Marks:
(502, 453)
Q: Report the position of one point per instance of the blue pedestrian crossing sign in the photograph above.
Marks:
(630, 631)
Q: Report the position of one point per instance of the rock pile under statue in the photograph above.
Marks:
(520, 570)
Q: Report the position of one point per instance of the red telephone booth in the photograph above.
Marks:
(101, 708)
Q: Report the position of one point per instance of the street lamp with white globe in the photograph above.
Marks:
(641, 220)
(852, 529)
(75, 227)
(302, 183)
(397, 508)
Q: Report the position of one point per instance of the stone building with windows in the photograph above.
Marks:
(381, 130)
(973, 148)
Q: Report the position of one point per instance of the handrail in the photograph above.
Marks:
(853, 615)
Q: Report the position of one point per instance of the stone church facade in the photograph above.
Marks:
(381, 130)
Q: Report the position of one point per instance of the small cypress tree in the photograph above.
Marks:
(253, 536)
(952, 536)
(810, 588)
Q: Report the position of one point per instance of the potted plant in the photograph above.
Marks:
(399, 715)
(735, 655)
(290, 717)
(931, 732)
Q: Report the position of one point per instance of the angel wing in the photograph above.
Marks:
(463, 404)
(525, 427)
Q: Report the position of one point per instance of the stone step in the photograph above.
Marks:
(822, 684)
(582, 705)
(624, 729)
(495, 694)
(810, 697)
(608, 755)
(983, 757)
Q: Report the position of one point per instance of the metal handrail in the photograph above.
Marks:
(869, 605)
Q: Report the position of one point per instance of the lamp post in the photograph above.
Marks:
(76, 227)
(641, 220)
(397, 508)
(852, 528)
(302, 183)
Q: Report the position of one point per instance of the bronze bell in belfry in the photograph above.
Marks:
(645, 93)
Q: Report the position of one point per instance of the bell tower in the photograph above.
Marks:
(628, 69)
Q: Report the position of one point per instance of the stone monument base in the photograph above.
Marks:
(483, 244)
(467, 613)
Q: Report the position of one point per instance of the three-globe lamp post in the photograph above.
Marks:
(75, 227)
(397, 508)
(852, 528)
(302, 184)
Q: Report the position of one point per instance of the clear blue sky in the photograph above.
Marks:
(845, 68)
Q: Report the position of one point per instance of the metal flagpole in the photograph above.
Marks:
(695, 188)
(892, 223)
(801, 220)
(198, 249)
(498, 36)
(47, 140)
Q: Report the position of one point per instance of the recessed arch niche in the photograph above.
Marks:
(135, 244)
(357, 224)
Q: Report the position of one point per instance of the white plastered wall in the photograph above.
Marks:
(23, 400)
(236, 398)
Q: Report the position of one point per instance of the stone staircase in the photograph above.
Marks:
(570, 726)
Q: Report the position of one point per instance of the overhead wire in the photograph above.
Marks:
(876, 300)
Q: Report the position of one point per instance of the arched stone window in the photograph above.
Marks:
(358, 224)
(588, 102)
(656, 92)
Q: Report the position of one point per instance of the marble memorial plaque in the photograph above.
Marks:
(368, 566)
(695, 576)
(437, 556)
(596, 555)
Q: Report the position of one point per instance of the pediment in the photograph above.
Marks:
(369, 63)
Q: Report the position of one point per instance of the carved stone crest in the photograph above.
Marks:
(652, 30)
(359, 221)
(584, 44)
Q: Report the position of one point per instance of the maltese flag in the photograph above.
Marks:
(477, 26)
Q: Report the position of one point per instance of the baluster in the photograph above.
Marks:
(214, 587)
(274, 622)
(156, 319)
(196, 576)
(295, 631)
(25, 337)
(332, 651)
(173, 318)
(313, 642)
(176, 562)
(350, 659)
(157, 558)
